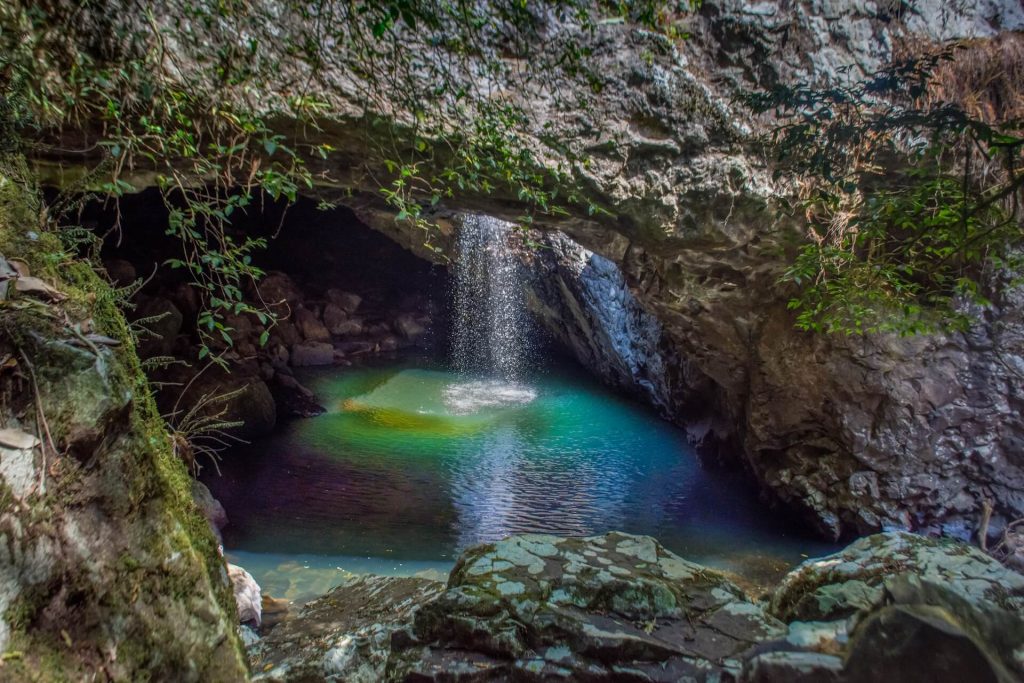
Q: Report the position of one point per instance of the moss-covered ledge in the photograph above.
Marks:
(106, 567)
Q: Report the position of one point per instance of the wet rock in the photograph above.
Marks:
(344, 636)
(279, 291)
(247, 595)
(333, 317)
(601, 608)
(120, 271)
(210, 507)
(356, 347)
(309, 325)
(312, 353)
(293, 399)
(346, 301)
(409, 327)
(162, 321)
(852, 580)
(273, 610)
(793, 667)
(352, 327)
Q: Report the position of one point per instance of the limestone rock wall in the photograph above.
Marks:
(107, 570)
(859, 434)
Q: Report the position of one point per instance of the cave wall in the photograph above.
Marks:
(858, 433)
(107, 569)
(340, 291)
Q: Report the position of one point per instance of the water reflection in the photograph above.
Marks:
(399, 472)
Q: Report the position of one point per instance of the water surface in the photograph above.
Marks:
(412, 463)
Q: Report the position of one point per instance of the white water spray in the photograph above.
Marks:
(493, 331)
(492, 336)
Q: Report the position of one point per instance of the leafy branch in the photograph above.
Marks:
(912, 204)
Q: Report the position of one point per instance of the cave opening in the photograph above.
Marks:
(401, 410)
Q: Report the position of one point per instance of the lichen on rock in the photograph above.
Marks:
(106, 565)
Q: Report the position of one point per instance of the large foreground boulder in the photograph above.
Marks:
(854, 579)
(601, 608)
(617, 607)
(899, 607)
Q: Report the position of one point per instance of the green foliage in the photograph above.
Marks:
(176, 94)
(913, 207)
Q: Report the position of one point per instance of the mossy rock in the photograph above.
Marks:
(106, 567)
(606, 607)
(853, 579)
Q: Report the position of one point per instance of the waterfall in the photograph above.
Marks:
(493, 330)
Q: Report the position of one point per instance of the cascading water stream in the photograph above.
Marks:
(493, 332)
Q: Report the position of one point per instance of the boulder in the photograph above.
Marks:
(312, 353)
(106, 569)
(409, 327)
(334, 316)
(285, 333)
(388, 342)
(235, 396)
(293, 399)
(162, 321)
(247, 595)
(609, 607)
(254, 407)
(186, 298)
(346, 301)
(309, 325)
(920, 643)
(351, 327)
(621, 607)
(279, 291)
(210, 507)
(343, 636)
(121, 272)
(853, 579)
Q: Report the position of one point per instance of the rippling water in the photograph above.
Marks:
(413, 463)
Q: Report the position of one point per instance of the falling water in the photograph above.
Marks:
(492, 334)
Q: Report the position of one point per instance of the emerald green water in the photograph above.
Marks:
(413, 463)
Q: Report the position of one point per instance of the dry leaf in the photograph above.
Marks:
(15, 438)
(20, 267)
(35, 286)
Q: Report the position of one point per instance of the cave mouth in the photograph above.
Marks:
(406, 411)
